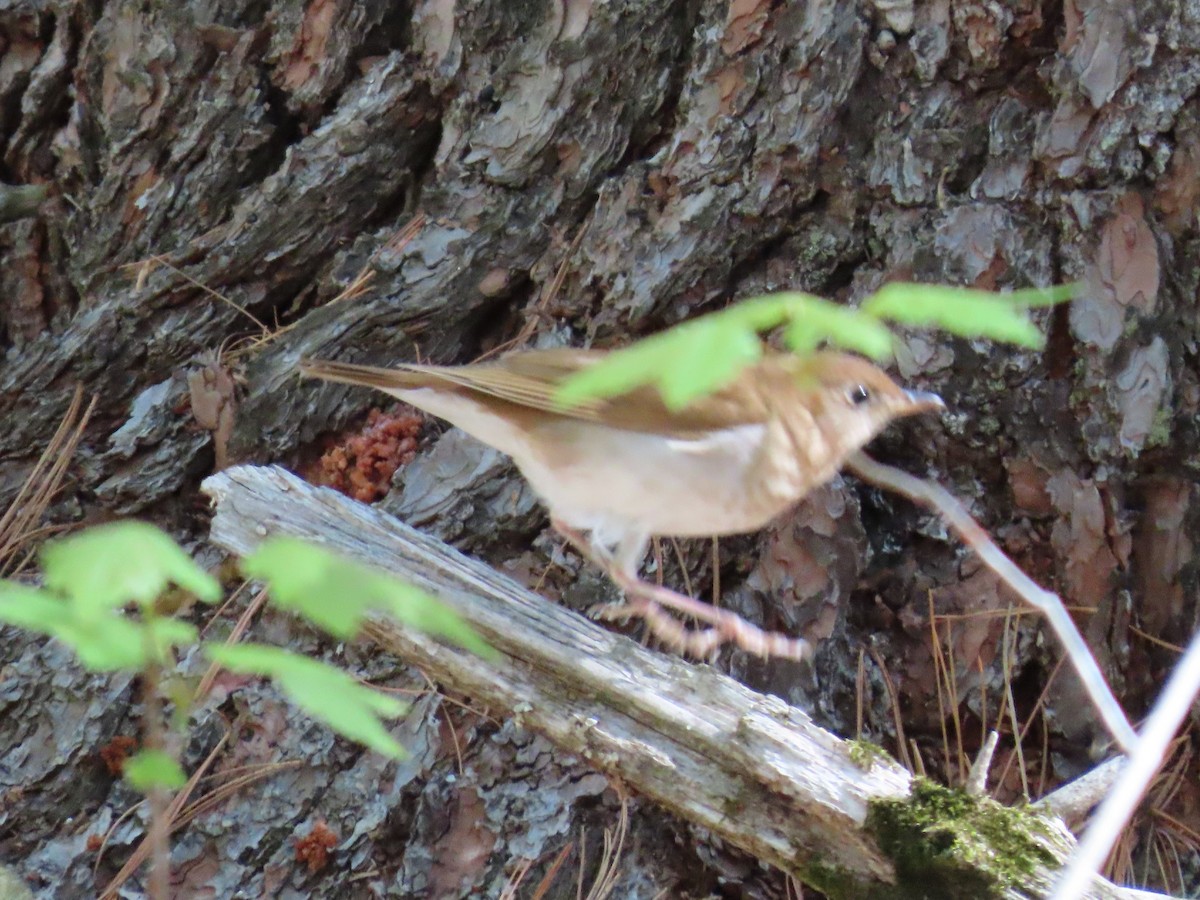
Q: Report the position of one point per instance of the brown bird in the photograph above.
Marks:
(627, 468)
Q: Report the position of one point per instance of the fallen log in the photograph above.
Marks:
(753, 770)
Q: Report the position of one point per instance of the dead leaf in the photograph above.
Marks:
(1027, 480)
(976, 635)
(214, 405)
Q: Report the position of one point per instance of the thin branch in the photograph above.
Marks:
(1074, 800)
(941, 501)
(976, 784)
(1144, 761)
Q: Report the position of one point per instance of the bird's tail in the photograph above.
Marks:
(402, 378)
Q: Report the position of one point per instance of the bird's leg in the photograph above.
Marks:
(629, 553)
(726, 625)
(647, 601)
(598, 556)
(622, 569)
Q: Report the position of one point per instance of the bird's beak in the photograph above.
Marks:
(925, 401)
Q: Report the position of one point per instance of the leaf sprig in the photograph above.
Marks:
(91, 577)
(704, 354)
(88, 578)
(335, 594)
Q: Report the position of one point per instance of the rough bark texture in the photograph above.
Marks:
(660, 158)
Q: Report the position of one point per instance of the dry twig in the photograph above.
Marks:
(941, 501)
(19, 526)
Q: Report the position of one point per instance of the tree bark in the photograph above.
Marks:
(588, 173)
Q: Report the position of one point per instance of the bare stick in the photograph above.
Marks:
(1144, 761)
(1074, 800)
(977, 778)
(941, 501)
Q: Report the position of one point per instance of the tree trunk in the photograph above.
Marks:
(223, 178)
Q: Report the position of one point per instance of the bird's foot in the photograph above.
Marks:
(662, 626)
(619, 611)
(650, 603)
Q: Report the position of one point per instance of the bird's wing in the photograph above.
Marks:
(531, 380)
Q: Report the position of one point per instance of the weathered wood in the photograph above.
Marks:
(752, 769)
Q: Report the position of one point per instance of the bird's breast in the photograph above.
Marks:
(795, 456)
(594, 476)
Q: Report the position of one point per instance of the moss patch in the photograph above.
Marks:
(864, 754)
(945, 843)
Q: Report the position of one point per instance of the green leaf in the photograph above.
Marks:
(813, 322)
(685, 362)
(31, 608)
(149, 769)
(335, 593)
(967, 312)
(703, 360)
(1044, 296)
(324, 692)
(104, 640)
(167, 633)
(705, 354)
(111, 565)
(180, 692)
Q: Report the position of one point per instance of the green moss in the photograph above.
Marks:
(1160, 429)
(830, 881)
(945, 843)
(863, 753)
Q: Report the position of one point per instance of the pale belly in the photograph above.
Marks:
(611, 481)
(616, 482)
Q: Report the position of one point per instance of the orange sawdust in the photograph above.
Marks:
(313, 849)
(362, 465)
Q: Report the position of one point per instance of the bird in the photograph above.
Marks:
(630, 467)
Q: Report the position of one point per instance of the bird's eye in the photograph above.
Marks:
(858, 395)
